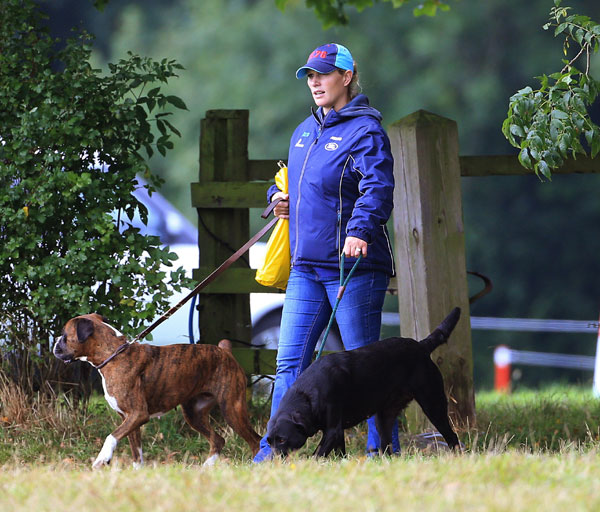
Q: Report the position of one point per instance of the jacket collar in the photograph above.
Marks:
(357, 107)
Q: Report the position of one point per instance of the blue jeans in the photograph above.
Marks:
(309, 300)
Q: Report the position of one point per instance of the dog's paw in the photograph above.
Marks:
(212, 460)
(106, 453)
(100, 463)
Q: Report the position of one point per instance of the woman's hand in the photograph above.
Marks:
(282, 210)
(354, 247)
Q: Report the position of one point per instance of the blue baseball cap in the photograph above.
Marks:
(326, 58)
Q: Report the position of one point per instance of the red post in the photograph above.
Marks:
(502, 369)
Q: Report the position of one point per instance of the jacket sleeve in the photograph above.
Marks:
(374, 164)
(271, 192)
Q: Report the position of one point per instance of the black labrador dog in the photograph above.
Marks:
(342, 389)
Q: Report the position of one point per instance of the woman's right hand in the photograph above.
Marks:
(282, 210)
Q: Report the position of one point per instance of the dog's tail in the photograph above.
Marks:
(442, 332)
(225, 344)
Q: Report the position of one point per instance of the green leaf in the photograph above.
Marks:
(140, 114)
(560, 29)
(506, 129)
(153, 92)
(595, 146)
(556, 128)
(543, 168)
(177, 102)
(563, 146)
(559, 114)
(172, 128)
(525, 159)
(425, 9)
(517, 130)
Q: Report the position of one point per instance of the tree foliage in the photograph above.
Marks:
(71, 144)
(333, 12)
(550, 123)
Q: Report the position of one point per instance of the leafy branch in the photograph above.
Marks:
(333, 12)
(552, 122)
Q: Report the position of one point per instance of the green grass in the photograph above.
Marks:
(533, 450)
(513, 481)
(548, 420)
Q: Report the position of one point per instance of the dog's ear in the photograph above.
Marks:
(298, 420)
(85, 328)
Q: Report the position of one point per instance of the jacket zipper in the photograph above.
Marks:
(313, 144)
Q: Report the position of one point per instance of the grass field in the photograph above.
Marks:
(531, 451)
(512, 480)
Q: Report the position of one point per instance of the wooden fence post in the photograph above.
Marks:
(430, 248)
(221, 231)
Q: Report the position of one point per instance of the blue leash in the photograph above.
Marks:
(191, 320)
(340, 293)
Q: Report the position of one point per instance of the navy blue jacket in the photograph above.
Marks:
(341, 182)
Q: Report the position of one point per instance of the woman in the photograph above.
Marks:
(340, 181)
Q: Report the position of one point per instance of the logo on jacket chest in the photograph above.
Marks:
(300, 143)
(333, 145)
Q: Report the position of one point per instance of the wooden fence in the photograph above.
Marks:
(428, 226)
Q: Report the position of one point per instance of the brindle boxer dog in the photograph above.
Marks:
(145, 381)
(340, 390)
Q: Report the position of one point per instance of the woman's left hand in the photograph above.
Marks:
(354, 247)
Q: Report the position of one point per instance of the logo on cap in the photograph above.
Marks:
(317, 54)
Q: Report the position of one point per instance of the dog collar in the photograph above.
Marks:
(120, 349)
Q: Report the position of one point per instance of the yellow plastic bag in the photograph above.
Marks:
(275, 270)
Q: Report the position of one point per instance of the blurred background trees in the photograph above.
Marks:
(538, 241)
